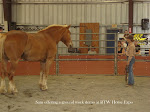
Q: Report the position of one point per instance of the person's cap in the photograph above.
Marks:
(130, 37)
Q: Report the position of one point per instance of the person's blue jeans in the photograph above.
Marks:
(131, 76)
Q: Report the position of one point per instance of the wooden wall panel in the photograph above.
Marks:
(95, 29)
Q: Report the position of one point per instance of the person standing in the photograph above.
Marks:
(131, 59)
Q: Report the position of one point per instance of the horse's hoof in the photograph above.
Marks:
(13, 92)
(44, 87)
(3, 90)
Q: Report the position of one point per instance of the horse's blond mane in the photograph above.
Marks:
(52, 26)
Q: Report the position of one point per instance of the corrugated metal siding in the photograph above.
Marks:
(105, 14)
(1, 13)
(141, 10)
(44, 14)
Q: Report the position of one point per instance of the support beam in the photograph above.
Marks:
(7, 14)
(130, 16)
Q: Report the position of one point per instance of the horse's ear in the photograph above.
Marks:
(68, 26)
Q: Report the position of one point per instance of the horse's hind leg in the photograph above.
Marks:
(3, 75)
(12, 88)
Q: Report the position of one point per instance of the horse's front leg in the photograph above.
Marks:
(3, 75)
(42, 72)
(45, 73)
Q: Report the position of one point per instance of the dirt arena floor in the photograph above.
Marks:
(78, 94)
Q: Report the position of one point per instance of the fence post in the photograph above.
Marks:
(116, 56)
(57, 62)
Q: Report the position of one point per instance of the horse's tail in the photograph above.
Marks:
(2, 40)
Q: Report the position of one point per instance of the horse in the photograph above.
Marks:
(40, 46)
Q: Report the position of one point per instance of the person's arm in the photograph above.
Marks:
(129, 59)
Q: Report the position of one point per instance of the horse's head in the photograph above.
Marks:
(66, 38)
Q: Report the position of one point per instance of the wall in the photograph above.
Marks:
(141, 10)
(76, 13)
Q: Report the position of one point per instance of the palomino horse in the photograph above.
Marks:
(41, 46)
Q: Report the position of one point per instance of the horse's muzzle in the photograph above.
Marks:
(71, 49)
